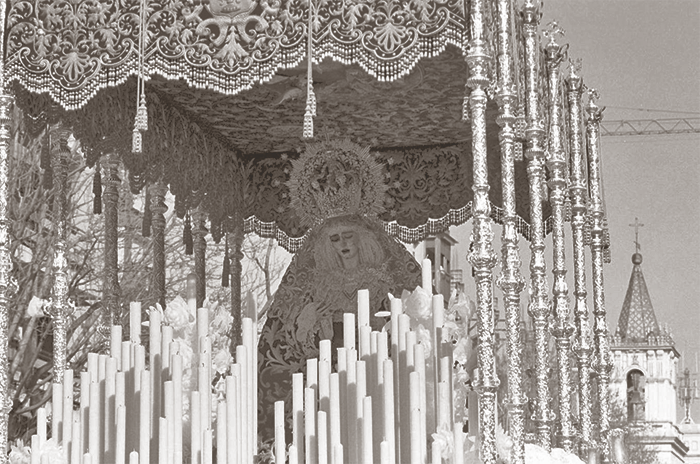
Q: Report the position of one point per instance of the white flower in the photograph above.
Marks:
(35, 308)
(222, 360)
(178, 315)
(417, 304)
(445, 438)
(19, 453)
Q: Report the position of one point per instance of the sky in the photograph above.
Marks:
(643, 55)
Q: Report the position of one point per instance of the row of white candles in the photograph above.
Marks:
(381, 402)
(131, 413)
(374, 407)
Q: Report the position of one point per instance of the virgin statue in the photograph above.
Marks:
(345, 251)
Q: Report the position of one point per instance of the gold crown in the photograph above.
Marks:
(335, 178)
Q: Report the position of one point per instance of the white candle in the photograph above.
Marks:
(195, 427)
(168, 413)
(115, 345)
(135, 322)
(343, 382)
(297, 414)
(120, 442)
(436, 449)
(155, 366)
(94, 422)
(145, 412)
(324, 387)
(444, 416)
(162, 440)
(389, 413)
(322, 428)
(231, 418)
(365, 342)
(248, 340)
(351, 405)
(166, 340)
(414, 414)
(363, 308)
(133, 457)
(41, 425)
(76, 447)
(110, 387)
(293, 454)
(310, 426)
(176, 365)
(57, 410)
(367, 454)
(458, 457)
(279, 432)
(384, 453)
(312, 373)
(419, 358)
(35, 457)
(242, 360)
(67, 411)
(349, 331)
(203, 370)
(207, 447)
(335, 415)
(324, 350)
(221, 423)
(338, 453)
(86, 459)
(427, 276)
(236, 373)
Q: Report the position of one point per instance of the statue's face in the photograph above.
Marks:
(344, 241)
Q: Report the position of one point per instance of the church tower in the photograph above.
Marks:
(645, 358)
(645, 368)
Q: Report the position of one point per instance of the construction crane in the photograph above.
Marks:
(650, 126)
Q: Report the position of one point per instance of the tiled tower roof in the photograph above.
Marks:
(637, 323)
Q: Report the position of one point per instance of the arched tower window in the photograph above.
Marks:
(635, 395)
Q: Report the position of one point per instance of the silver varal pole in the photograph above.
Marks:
(510, 281)
(482, 257)
(579, 210)
(556, 162)
(539, 305)
(602, 358)
(6, 283)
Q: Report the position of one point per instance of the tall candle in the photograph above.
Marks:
(363, 308)
(419, 358)
(334, 417)
(110, 386)
(41, 425)
(310, 426)
(67, 411)
(279, 432)
(297, 414)
(145, 413)
(324, 387)
(168, 406)
(351, 405)
(191, 292)
(236, 374)
(338, 453)
(156, 366)
(76, 447)
(458, 457)
(94, 422)
(166, 340)
(231, 429)
(135, 322)
(414, 414)
(242, 360)
(389, 413)
(120, 441)
(195, 427)
(384, 453)
(115, 344)
(365, 343)
(427, 276)
(162, 440)
(324, 350)
(176, 365)
(221, 439)
(349, 331)
(207, 447)
(322, 428)
(343, 383)
(367, 452)
(35, 457)
(312, 373)
(57, 410)
(134, 457)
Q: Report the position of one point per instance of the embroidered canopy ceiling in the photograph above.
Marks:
(226, 90)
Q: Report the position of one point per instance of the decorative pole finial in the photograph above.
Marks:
(636, 225)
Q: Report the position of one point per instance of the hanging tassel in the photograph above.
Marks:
(97, 190)
(141, 118)
(187, 235)
(226, 271)
(310, 96)
(146, 223)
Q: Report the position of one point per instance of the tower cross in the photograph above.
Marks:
(636, 226)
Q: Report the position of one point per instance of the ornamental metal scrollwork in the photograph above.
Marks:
(72, 49)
